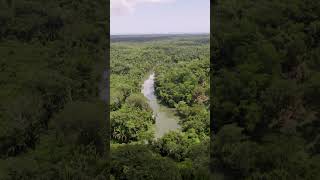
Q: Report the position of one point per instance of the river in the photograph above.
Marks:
(165, 117)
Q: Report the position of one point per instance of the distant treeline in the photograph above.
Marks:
(143, 38)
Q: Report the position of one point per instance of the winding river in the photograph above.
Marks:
(165, 117)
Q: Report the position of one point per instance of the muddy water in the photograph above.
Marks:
(165, 117)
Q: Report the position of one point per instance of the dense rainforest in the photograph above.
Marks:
(52, 58)
(265, 83)
(264, 86)
(181, 67)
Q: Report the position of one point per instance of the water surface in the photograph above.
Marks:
(166, 119)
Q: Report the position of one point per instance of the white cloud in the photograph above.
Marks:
(123, 7)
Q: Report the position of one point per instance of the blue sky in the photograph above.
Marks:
(160, 16)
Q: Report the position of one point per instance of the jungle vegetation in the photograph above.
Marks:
(181, 66)
(52, 120)
(265, 89)
(264, 86)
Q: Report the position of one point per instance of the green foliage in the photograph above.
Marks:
(139, 162)
(131, 124)
(278, 157)
(85, 127)
(20, 127)
(181, 67)
(52, 57)
(138, 101)
(187, 81)
(265, 77)
(176, 144)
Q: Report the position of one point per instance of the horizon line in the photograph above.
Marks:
(173, 33)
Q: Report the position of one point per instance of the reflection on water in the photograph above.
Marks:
(165, 117)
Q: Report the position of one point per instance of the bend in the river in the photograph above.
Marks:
(165, 117)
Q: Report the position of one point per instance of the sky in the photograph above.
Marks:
(159, 16)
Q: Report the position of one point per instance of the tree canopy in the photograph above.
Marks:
(264, 73)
